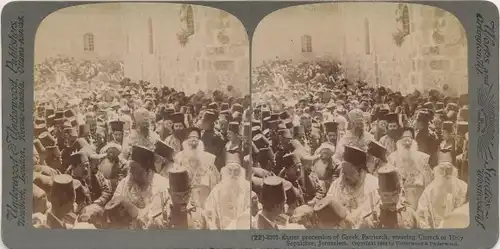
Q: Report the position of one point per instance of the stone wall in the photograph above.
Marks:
(362, 37)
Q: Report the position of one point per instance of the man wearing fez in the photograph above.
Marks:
(117, 131)
(356, 136)
(97, 188)
(62, 198)
(331, 214)
(355, 184)
(234, 147)
(200, 165)
(273, 203)
(393, 132)
(229, 199)
(180, 211)
(212, 139)
(177, 137)
(285, 147)
(142, 187)
(299, 141)
(443, 195)
(389, 211)
(427, 141)
(113, 167)
(303, 179)
(141, 136)
(448, 140)
(164, 158)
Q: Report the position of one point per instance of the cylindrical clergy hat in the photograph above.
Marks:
(39, 129)
(330, 127)
(83, 130)
(164, 150)
(178, 118)
(447, 126)
(256, 130)
(463, 114)
(78, 158)
(256, 122)
(273, 192)
(143, 156)
(388, 179)
(355, 156)
(179, 180)
(234, 127)
(298, 129)
(462, 127)
(260, 141)
(284, 115)
(237, 108)
(116, 125)
(47, 139)
(377, 150)
(392, 118)
(210, 116)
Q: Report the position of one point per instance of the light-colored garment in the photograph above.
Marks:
(414, 176)
(389, 143)
(352, 140)
(203, 174)
(151, 200)
(175, 143)
(436, 202)
(136, 138)
(355, 200)
(227, 203)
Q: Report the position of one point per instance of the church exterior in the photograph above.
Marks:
(187, 47)
(402, 46)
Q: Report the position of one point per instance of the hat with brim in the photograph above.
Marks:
(355, 156)
(143, 156)
(377, 150)
(164, 150)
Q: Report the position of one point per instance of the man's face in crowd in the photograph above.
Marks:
(193, 139)
(80, 170)
(293, 172)
(351, 174)
(138, 174)
(393, 130)
(112, 154)
(382, 125)
(180, 199)
(69, 139)
(178, 128)
(407, 139)
(207, 124)
(118, 135)
(332, 137)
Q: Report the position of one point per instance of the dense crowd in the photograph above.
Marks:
(350, 155)
(131, 155)
(309, 149)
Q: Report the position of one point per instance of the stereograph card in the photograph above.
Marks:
(249, 124)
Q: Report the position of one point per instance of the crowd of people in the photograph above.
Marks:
(350, 155)
(140, 157)
(308, 149)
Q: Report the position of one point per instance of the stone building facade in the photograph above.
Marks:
(145, 36)
(403, 46)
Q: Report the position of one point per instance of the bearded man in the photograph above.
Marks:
(355, 136)
(353, 188)
(443, 195)
(229, 199)
(200, 165)
(177, 137)
(390, 139)
(412, 165)
(143, 188)
(141, 135)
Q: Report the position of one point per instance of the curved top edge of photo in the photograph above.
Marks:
(186, 46)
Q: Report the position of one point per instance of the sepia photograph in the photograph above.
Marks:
(142, 118)
(360, 118)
